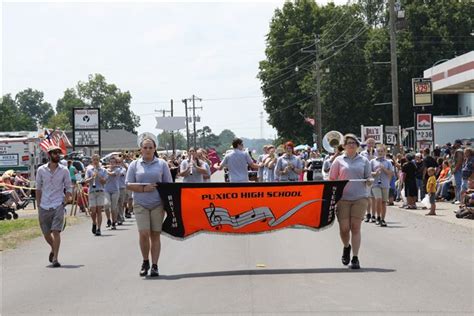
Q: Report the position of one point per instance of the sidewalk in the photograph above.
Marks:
(444, 210)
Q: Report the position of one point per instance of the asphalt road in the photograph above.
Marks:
(416, 265)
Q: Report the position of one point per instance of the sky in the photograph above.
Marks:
(156, 50)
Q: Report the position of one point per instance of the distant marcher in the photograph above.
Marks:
(288, 166)
(96, 176)
(237, 162)
(52, 180)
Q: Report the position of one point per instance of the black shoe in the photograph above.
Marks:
(355, 263)
(372, 219)
(127, 215)
(346, 255)
(97, 232)
(22, 205)
(56, 264)
(154, 271)
(94, 228)
(119, 223)
(145, 268)
(109, 223)
(51, 255)
(367, 218)
(377, 222)
(113, 226)
(383, 223)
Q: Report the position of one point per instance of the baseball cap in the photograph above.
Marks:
(458, 141)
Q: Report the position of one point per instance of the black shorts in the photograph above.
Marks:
(411, 189)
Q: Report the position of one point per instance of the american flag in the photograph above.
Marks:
(310, 120)
(47, 141)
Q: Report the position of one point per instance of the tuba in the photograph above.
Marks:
(331, 140)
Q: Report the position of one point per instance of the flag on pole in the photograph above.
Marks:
(310, 120)
(47, 141)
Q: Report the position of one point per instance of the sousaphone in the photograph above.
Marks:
(331, 140)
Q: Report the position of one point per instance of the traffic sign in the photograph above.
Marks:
(391, 139)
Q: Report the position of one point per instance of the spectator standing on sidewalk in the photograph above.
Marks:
(52, 180)
(458, 157)
(431, 190)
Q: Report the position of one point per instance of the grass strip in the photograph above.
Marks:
(14, 232)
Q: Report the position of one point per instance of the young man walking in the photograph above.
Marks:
(52, 180)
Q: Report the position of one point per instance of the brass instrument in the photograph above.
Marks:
(331, 140)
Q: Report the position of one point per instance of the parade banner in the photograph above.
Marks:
(247, 208)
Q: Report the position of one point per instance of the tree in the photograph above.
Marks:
(206, 139)
(225, 138)
(11, 119)
(96, 92)
(31, 102)
(164, 140)
(351, 39)
(59, 121)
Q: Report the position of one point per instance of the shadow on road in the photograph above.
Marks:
(267, 272)
(67, 266)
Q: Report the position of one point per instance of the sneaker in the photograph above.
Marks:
(56, 264)
(457, 202)
(154, 271)
(94, 228)
(127, 215)
(346, 255)
(372, 219)
(113, 226)
(383, 223)
(145, 268)
(109, 223)
(367, 218)
(119, 223)
(97, 232)
(377, 222)
(355, 263)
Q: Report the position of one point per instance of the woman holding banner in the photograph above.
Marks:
(142, 177)
(353, 203)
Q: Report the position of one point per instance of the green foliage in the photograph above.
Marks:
(12, 119)
(31, 102)
(59, 121)
(96, 92)
(206, 139)
(164, 140)
(225, 140)
(351, 38)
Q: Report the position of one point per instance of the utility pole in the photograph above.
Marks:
(164, 114)
(172, 132)
(194, 107)
(394, 66)
(318, 128)
(185, 101)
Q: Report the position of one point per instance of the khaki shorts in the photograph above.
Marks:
(96, 199)
(380, 193)
(352, 209)
(51, 219)
(149, 219)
